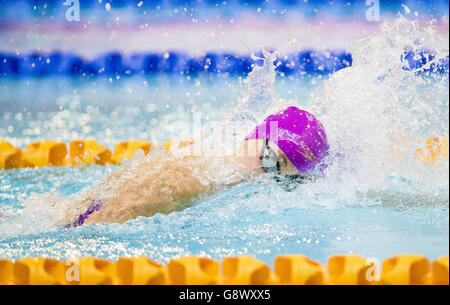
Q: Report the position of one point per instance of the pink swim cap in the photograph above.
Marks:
(299, 135)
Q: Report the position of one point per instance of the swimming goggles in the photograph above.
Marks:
(269, 159)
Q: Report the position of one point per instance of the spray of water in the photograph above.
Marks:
(382, 105)
(379, 101)
(258, 98)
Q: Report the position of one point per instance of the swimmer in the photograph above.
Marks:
(290, 143)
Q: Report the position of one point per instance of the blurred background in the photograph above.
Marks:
(119, 60)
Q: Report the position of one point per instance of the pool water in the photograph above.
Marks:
(259, 219)
(368, 203)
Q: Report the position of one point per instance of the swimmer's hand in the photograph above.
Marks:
(95, 206)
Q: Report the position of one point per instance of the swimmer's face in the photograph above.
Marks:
(250, 153)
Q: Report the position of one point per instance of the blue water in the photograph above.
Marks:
(258, 218)
(244, 220)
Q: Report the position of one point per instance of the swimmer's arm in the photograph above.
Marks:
(160, 185)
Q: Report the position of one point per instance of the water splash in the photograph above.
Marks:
(259, 96)
(380, 102)
(364, 108)
(253, 105)
(40, 214)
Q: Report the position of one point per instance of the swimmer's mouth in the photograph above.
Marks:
(95, 205)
